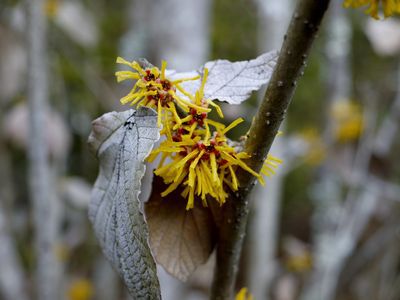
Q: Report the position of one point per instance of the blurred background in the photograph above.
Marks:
(326, 226)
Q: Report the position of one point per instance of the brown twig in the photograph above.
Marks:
(298, 40)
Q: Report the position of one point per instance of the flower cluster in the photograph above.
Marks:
(389, 7)
(154, 90)
(200, 160)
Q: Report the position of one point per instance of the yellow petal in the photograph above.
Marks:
(173, 185)
(235, 184)
(203, 83)
(190, 202)
(159, 114)
(163, 67)
(232, 125)
(219, 110)
(213, 163)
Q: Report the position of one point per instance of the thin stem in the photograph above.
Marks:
(298, 40)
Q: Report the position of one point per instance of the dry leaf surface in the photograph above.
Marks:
(122, 141)
(180, 239)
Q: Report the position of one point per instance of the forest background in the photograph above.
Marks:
(328, 219)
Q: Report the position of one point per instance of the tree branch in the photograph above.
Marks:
(300, 36)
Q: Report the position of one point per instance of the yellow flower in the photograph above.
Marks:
(193, 156)
(80, 289)
(348, 119)
(154, 90)
(243, 295)
(299, 263)
(203, 165)
(196, 117)
(51, 7)
(389, 7)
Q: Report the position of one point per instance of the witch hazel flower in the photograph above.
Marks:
(196, 154)
(153, 89)
(203, 165)
(389, 7)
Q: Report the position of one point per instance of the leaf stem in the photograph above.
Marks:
(300, 35)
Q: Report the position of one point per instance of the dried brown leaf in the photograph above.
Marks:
(180, 239)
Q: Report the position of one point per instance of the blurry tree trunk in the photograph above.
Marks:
(40, 186)
(381, 247)
(135, 42)
(338, 69)
(181, 32)
(12, 281)
(11, 275)
(179, 35)
(338, 54)
(327, 199)
(105, 280)
(273, 19)
(339, 225)
(264, 232)
(327, 191)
